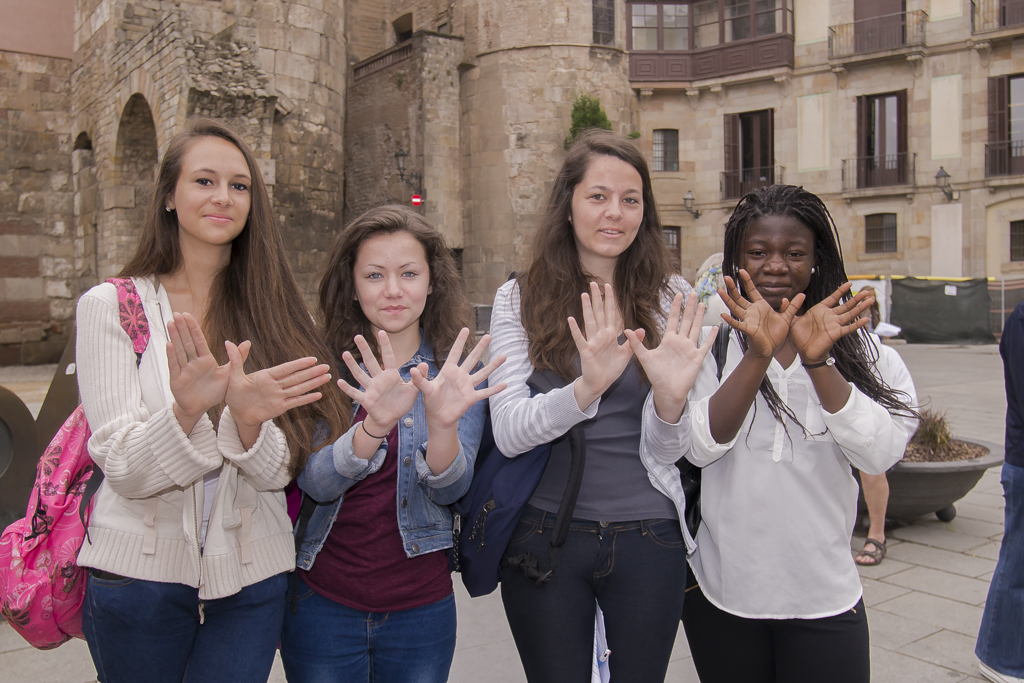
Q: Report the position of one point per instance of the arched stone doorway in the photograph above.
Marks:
(134, 175)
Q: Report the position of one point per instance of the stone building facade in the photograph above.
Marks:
(861, 101)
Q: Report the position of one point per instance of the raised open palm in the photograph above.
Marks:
(266, 394)
(197, 381)
(672, 367)
(766, 328)
(453, 390)
(814, 333)
(602, 357)
(385, 396)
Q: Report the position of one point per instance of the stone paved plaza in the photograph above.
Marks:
(924, 602)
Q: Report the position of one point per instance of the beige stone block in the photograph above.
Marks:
(306, 17)
(57, 289)
(118, 197)
(23, 288)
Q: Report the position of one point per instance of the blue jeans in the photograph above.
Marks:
(327, 641)
(149, 631)
(636, 571)
(1001, 638)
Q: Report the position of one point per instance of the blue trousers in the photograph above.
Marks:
(150, 631)
(324, 642)
(1001, 638)
(635, 570)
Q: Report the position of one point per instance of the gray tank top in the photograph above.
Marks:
(615, 486)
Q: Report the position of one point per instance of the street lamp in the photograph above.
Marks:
(942, 181)
(413, 180)
(688, 204)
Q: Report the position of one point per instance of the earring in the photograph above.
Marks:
(812, 270)
(168, 209)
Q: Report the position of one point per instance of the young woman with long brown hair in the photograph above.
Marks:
(189, 539)
(599, 258)
(374, 598)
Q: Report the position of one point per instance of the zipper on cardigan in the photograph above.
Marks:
(199, 551)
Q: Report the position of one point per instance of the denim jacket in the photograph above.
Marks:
(424, 520)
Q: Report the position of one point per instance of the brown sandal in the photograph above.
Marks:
(877, 555)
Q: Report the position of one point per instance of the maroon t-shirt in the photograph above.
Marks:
(363, 564)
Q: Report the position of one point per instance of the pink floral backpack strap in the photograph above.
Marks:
(132, 315)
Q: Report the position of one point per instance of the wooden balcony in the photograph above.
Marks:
(721, 60)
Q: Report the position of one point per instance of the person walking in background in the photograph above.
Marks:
(1000, 644)
(189, 540)
(876, 486)
(804, 395)
(597, 293)
(373, 600)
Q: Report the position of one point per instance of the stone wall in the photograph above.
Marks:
(36, 226)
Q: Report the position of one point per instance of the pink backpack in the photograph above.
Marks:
(41, 585)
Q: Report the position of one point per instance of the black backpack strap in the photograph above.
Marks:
(720, 349)
(91, 487)
(306, 510)
(543, 382)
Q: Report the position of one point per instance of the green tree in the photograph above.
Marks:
(587, 112)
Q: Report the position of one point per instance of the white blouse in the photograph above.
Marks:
(779, 507)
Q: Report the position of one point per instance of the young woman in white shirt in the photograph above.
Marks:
(600, 270)
(800, 401)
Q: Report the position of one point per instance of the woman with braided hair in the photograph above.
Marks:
(803, 396)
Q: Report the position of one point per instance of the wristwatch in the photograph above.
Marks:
(828, 361)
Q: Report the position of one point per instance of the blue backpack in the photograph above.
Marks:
(485, 517)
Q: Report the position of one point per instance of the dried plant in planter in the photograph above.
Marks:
(933, 442)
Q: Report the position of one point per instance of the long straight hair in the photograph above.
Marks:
(855, 357)
(552, 284)
(447, 309)
(254, 297)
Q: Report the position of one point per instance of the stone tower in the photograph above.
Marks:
(274, 71)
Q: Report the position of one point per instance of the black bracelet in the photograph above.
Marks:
(813, 366)
(372, 436)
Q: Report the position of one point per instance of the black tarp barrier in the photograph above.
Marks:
(942, 312)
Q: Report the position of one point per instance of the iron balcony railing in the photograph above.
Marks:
(883, 170)
(992, 15)
(889, 32)
(735, 184)
(1004, 158)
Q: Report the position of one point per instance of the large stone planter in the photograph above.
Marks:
(921, 488)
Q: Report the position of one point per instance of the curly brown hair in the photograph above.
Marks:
(551, 286)
(447, 309)
(254, 297)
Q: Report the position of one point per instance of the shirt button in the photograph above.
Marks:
(415, 548)
(408, 422)
(407, 461)
(405, 502)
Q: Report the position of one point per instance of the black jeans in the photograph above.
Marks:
(635, 570)
(731, 649)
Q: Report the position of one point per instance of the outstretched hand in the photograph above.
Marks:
(816, 331)
(197, 381)
(385, 396)
(673, 366)
(450, 394)
(766, 328)
(602, 358)
(266, 394)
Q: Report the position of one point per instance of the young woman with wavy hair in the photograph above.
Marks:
(374, 600)
(621, 381)
(189, 539)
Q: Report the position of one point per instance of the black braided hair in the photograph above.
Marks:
(855, 356)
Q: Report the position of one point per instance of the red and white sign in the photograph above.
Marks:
(416, 200)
